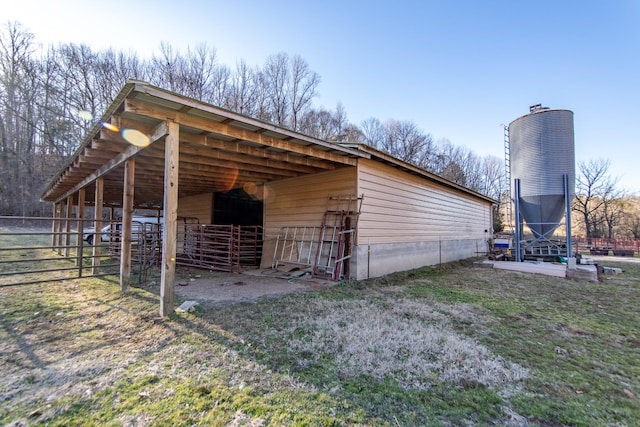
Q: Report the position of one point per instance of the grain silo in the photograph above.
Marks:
(542, 160)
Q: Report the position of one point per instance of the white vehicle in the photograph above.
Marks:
(112, 230)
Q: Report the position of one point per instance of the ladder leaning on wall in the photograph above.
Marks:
(336, 237)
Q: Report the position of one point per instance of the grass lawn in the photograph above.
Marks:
(455, 345)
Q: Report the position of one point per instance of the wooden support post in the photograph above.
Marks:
(54, 224)
(97, 238)
(67, 228)
(60, 227)
(127, 220)
(80, 230)
(170, 204)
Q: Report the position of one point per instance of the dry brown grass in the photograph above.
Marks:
(407, 341)
(441, 346)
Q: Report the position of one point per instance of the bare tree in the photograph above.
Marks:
(275, 78)
(167, 70)
(17, 73)
(301, 89)
(326, 124)
(242, 92)
(494, 182)
(596, 196)
(630, 223)
(404, 140)
(290, 87)
(373, 132)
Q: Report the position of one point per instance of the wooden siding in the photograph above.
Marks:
(302, 201)
(400, 207)
(199, 206)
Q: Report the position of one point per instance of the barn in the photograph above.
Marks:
(344, 210)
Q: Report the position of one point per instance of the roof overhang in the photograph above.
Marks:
(219, 150)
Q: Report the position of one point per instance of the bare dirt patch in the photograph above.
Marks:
(215, 289)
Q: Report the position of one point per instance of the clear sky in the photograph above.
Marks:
(458, 69)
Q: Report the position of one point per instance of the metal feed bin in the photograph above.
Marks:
(542, 159)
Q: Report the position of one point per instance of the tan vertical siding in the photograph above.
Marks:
(199, 206)
(400, 207)
(302, 200)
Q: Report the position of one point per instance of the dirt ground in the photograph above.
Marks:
(214, 289)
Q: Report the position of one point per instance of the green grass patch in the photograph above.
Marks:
(450, 345)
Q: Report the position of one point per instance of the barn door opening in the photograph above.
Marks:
(235, 207)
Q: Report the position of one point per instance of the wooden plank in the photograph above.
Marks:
(127, 220)
(97, 239)
(67, 226)
(138, 107)
(54, 223)
(229, 116)
(79, 230)
(243, 160)
(116, 162)
(238, 147)
(196, 158)
(170, 205)
(61, 225)
(198, 206)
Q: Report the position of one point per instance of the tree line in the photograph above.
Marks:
(50, 97)
(601, 208)
(44, 90)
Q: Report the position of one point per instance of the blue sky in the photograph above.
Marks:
(458, 69)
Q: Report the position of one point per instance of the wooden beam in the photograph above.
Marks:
(67, 227)
(127, 220)
(158, 132)
(80, 230)
(61, 225)
(170, 205)
(237, 147)
(247, 161)
(108, 145)
(97, 238)
(53, 225)
(218, 159)
(141, 108)
(228, 116)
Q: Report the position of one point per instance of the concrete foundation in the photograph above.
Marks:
(378, 260)
(583, 272)
(546, 268)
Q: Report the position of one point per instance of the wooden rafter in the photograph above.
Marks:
(140, 108)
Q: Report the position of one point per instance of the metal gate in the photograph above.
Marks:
(326, 248)
(38, 250)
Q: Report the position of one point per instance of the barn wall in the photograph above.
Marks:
(301, 201)
(199, 206)
(408, 222)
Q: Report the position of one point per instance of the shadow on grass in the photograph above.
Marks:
(83, 352)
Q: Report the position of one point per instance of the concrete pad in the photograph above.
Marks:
(546, 268)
